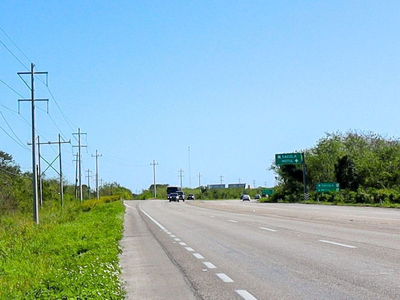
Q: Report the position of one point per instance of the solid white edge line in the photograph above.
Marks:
(224, 277)
(209, 265)
(245, 295)
(268, 229)
(337, 244)
(158, 224)
(198, 255)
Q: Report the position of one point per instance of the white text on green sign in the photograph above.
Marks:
(288, 159)
(327, 187)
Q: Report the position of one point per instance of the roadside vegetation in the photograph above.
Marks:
(72, 253)
(366, 166)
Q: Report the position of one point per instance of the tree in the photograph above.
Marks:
(346, 173)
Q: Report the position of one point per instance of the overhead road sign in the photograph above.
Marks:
(288, 159)
(323, 187)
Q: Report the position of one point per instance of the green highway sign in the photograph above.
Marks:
(267, 192)
(288, 159)
(327, 187)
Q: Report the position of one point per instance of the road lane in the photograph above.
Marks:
(288, 263)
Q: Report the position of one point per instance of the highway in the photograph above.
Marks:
(249, 250)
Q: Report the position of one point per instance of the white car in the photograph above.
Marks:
(246, 197)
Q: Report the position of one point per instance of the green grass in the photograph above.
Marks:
(72, 254)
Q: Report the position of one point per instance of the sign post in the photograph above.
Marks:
(293, 159)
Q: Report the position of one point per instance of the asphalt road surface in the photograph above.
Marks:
(249, 250)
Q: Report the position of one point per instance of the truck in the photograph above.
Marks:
(172, 189)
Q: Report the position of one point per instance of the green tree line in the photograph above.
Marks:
(16, 188)
(365, 164)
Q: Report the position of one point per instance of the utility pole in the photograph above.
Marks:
(239, 180)
(199, 179)
(40, 174)
(88, 181)
(97, 174)
(304, 177)
(76, 174)
(32, 73)
(190, 175)
(254, 183)
(79, 133)
(50, 165)
(221, 178)
(154, 164)
(181, 175)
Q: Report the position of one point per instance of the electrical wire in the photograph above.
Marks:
(14, 44)
(11, 88)
(22, 143)
(14, 55)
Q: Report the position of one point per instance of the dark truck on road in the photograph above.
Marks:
(173, 189)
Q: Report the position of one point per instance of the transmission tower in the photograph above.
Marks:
(79, 133)
(32, 73)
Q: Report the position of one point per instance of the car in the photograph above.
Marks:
(181, 195)
(172, 189)
(190, 197)
(245, 197)
(257, 196)
(173, 197)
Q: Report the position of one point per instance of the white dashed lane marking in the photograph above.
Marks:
(233, 221)
(198, 256)
(268, 229)
(245, 295)
(182, 244)
(224, 277)
(189, 249)
(209, 265)
(337, 244)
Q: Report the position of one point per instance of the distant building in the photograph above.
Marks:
(216, 186)
(237, 185)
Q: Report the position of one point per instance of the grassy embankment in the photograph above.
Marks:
(72, 254)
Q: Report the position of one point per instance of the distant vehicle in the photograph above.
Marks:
(173, 197)
(257, 196)
(172, 189)
(190, 197)
(245, 197)
(181, 195)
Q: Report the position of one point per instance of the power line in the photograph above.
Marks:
(14, 44)
(14, 55)
(22, 143)
(51, 118)
(11, 88)
(69, 123)
(17, 114)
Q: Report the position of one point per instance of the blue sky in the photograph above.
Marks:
(236, 81)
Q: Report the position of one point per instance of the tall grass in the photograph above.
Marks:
(72, 254)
